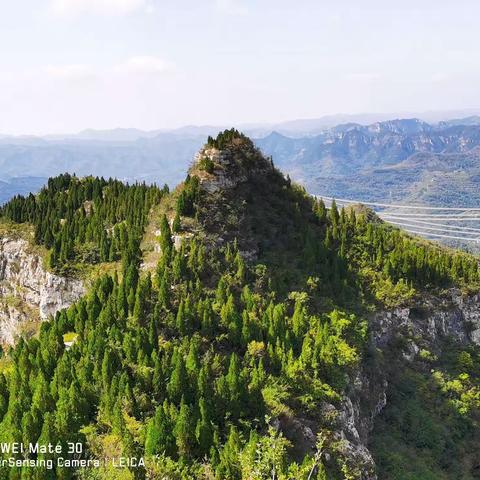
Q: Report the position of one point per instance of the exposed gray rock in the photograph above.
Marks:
(229, 171)
(452, 315)
(222, 180)
(28, 292)
(179, 240)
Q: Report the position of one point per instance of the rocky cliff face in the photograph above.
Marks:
(229, 169)
(29, 293)
(453, 315)
(422, 327)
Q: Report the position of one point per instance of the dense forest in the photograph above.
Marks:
(86, 220)
(197, 365)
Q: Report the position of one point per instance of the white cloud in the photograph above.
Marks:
(144, 64)
(71, 72)
(232, 7)
(72, 8)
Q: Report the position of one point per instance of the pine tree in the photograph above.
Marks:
(178, 383)
(204, 429)
(176, 223)
(229, 466)
(143, 295)
(159, 437)
(184, 432)
(165, 237)
(235, 386)
(334, 215)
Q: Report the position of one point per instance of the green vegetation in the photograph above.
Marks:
(430, 429)
(69, 336)
(228, 139)
(206, 164)
(188, 196)
(195, 364)
(181, 362)
(86, 220)
(345, 255)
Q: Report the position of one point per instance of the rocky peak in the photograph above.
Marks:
(235, 186)
(227, 161)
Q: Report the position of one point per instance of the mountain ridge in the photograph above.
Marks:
(390, 161)
(267, 323)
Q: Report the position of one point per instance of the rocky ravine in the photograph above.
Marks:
(453, 315)
(28, 292)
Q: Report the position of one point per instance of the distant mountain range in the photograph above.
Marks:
(162, 159)
(290, 128)
(19, 186)
(395, 160)
(400, 160)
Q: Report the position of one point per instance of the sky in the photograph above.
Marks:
(67, 65)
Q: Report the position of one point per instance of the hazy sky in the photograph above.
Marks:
(72, 64)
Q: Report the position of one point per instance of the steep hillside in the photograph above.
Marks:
(78, 229)
(271, 338)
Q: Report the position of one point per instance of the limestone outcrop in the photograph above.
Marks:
(29, 293)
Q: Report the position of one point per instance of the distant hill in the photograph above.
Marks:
(19, 186)
(403, 159)
(164, 158)
(473, 120)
